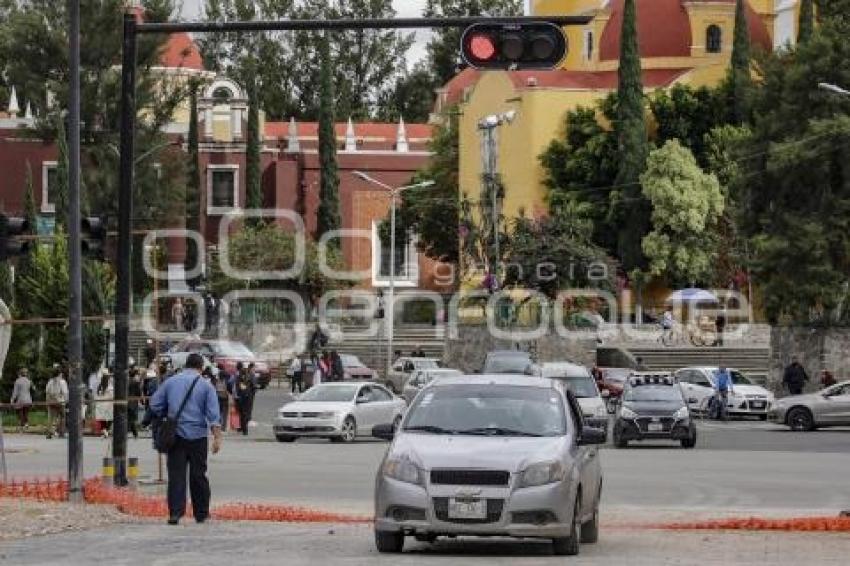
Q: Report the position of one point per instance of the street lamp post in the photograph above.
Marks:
(390, 310)
(487, 126)
(834, 89)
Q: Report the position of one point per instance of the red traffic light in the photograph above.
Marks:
(538, 45)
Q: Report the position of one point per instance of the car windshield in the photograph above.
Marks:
(507, 363)
(232, 349)
(739, 378)
(654, 393)
(488, 410)
(330, 393)
(582, 386)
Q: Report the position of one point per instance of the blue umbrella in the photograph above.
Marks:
(688, 296)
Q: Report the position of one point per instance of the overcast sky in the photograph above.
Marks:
(405, 8)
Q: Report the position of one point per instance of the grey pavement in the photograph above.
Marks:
(259, 544)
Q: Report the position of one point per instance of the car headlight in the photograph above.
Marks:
(627, 413)
(404, 470)
(681, 414)
(542, 474)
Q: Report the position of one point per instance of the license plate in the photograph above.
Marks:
(655, 427)
(467, 509)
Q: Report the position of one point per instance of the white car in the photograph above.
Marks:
(404, 367)
(578, 379)
(747, 399)
(338, 411)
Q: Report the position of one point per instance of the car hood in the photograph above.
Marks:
(807, 399)
(752, 390)
(651, 409)
(314, 407)
(591, 405)
(513, 454)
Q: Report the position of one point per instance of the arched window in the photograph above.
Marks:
(713, 39)
(222, 94)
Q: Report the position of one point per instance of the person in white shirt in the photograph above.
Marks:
(56, 393)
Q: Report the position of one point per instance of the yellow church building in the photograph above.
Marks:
(681, 42)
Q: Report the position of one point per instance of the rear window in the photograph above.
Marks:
(507, 363)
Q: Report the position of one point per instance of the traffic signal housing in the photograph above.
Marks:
(12, 230)
(514, 47)
(93, 232)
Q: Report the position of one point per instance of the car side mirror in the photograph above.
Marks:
(591, 436)
(384, 432)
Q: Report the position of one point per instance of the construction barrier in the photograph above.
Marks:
(797, 524)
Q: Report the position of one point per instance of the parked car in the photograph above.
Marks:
(404, 367)
(578, 379)
(653, 408)
(338, 411)
(423, 377)
(490, 455)
(747, 398)
(507, 362)
(356, 370)
(225, 352)
(828, 407)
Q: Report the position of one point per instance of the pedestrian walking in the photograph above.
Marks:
(337, 369)
(723, 388)
(134, 396)
(243, 394)
(191, 401)
(178, 312)
(56, 395)
(720, 324)
(296, 373)
(827, 379)
(104, 396)
(150, 352)
(220, 382)
(795, 377)
(22, 398)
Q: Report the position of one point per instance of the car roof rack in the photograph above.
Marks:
(651, 378)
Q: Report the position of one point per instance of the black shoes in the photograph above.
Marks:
(173, 520)
(201, 520)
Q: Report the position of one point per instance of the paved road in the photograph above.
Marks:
(262, 544)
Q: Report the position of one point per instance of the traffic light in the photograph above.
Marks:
(11, 243)
(514, 47)
(94, 237)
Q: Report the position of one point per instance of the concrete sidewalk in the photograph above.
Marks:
(260, 544)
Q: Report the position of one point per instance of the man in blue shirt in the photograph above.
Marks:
(200, 414)
(723, 385)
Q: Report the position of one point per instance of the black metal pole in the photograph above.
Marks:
(125, 244)
(351, 24)
(75, 324)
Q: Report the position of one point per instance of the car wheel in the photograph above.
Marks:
(568, 546)
(389, 542)
(590, 529)
(285, 438)
(689, 442)
(800, 419)
(349, 430)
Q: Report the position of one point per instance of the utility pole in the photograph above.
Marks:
(75, 324)
(125, 231)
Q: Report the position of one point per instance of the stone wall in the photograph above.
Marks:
(467, 350)
(817, 349)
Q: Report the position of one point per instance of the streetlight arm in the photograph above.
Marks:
(372, 180)
(834, 88)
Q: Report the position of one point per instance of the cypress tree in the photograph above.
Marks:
(253, 181)
(806, 26)
(328, 216)
(633, 146)
(739, 74)
(193, 181)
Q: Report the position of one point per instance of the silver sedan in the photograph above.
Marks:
(490, 455)
(338, 411)
(830, 407)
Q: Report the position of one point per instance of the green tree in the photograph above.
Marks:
(433, 213)
(688, 114)
(686, 206)
(630, 209)
(806, 26)
(412, 98)
(193, 180)
(328, 215)
(253, 171)
(740, 78)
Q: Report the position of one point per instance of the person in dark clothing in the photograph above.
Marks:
(150, 352)
(221, 384)
(337, 369)
(243, 393)
(134, 394)
(720, 323)
(199, 417)
(795, 377)
(827, 379)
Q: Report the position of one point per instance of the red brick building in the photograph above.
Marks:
(390, 153)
